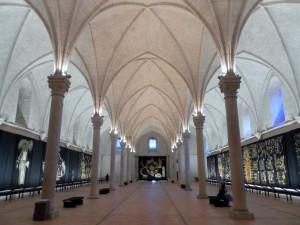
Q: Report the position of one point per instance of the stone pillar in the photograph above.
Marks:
(112, 176)
(59, 85)
(199, 122)
(132, 166)
(179, 159)
(229, 84)
(186, 136)
(97, 121)
(173, 166)
(122, 168)
(128, 170)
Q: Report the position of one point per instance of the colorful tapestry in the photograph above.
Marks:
(211, 167)
(152, 168)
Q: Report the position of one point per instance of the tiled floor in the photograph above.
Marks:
(147, 203)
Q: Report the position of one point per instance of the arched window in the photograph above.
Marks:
(206, 146)
(276, 102)
(118, 144)
(246, 125)
(24, 103)
(152, 144)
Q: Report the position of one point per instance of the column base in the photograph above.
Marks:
(241, 214)
(53, 214)
(93, 197)
(202, 196)
(188, 189)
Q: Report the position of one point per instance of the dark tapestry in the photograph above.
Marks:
(211, 167)
(85, 167)
(297, 150)
(265, 162)
(226, 165)
(152, 168)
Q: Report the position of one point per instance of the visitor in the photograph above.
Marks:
(223, 195)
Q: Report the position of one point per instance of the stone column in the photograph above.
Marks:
(122, 168)
(59, 85)
(97, 121)
(128, 170)
(229, 84)
(112, 175)
(132, 166)
(186, 136)
(179, 159)
(173, 166)
(199, 122)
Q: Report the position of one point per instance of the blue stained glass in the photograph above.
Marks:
(277, 108)
(152, 143)
(206, 147)
(118, 144)
(247, 126)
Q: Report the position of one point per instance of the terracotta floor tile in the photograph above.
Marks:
(146, 203)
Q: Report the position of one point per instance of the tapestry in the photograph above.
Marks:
(297, 149)
(23, 160)
(152, 168)
(211, 167)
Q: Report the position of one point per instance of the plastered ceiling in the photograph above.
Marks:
(147, 64)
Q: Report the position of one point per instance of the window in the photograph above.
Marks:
(118, 144)
(152, 145)
(246, 125)
(24, 102)
(276, 102)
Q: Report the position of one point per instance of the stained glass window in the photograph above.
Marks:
(152, 144)
(118, 144)
(276, 102)
(246, 125)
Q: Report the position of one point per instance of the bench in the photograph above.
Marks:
(103, 191)
(72, 202)
(102, 179)
(5, 192)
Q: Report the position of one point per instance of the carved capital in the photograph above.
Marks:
(229, 84)
(178, 144)
(199, 120)
(97, 120)
(186, 135)
(123, 144)
(113, 135)
(58, 83)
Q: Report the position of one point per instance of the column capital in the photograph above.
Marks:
(199, 120)
(229, 84)
(97, 120)
(123, 144)
(178, 144)
(113, 135)
(58, 83)
(186, 135)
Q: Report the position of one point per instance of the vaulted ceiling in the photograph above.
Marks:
(147, 65)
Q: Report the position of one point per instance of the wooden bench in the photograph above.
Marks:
(72, 202)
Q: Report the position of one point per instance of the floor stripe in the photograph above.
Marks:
(117, 206)
(178, 212)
